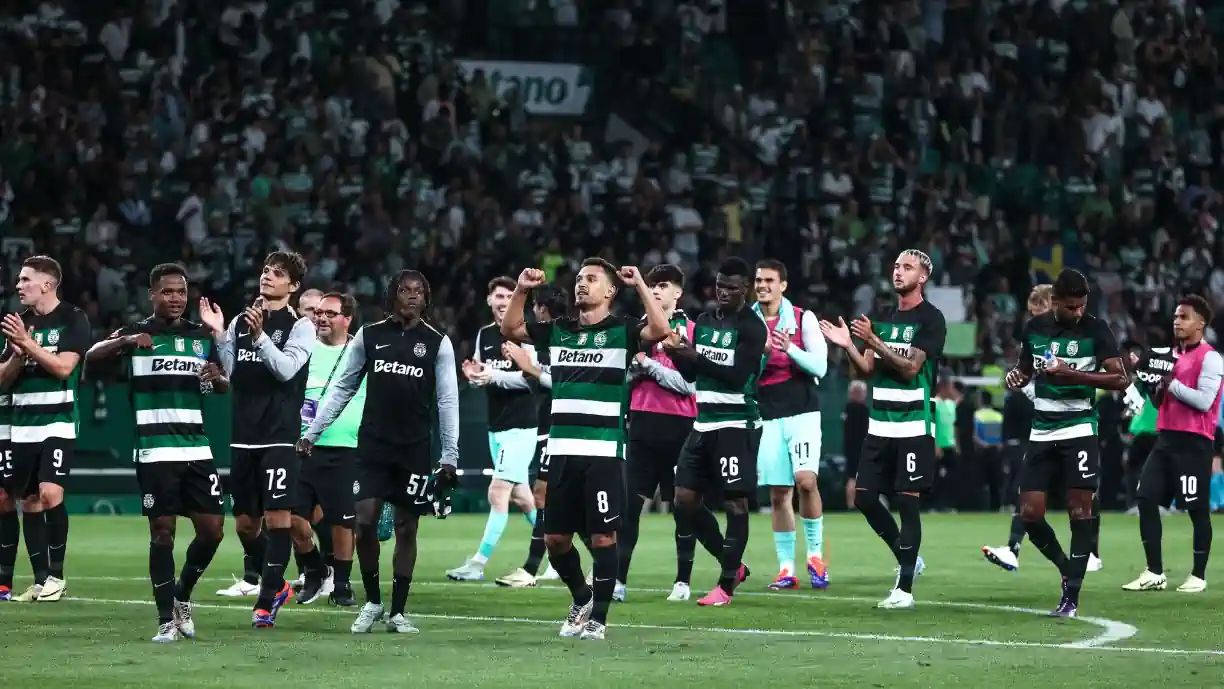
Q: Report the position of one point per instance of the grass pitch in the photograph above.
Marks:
(975, 625)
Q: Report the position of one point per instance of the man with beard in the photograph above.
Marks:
(724, 360)
(904, 344)
(662, 407)
(1069, 354)
(1018, 414)
(590, 356)
(409, 370)
(172, 364)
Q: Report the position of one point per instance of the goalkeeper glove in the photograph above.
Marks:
(386, 522)
(442, 485)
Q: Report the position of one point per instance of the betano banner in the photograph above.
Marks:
(547, 88)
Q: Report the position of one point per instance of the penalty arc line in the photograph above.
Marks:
(709, 630)
(1112, 631)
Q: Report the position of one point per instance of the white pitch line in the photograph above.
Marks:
(1112, 631)
(707, 630)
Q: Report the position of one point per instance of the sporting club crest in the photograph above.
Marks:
(419, 350)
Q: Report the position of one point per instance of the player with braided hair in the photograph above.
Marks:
(409, 371)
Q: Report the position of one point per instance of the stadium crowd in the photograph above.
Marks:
(1004, 139)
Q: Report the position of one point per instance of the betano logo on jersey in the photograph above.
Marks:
(499, 364)
(176, 365)
(249, 355)
(382, 366)
(577, 356)
(718, 356)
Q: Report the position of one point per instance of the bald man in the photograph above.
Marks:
(309, 301)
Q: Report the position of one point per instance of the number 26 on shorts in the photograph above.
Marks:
(730, 467)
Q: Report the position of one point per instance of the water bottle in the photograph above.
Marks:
(1049, 356)
(206, 386)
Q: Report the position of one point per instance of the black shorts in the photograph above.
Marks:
(1180, 465)
(326, 480)
(32, 464)
(720, 461)
(541, 459)
(897, 465)
(399, 476)
(651, 458)
(264, 479)
(179, 489)
(1077, 462)
(585, 495)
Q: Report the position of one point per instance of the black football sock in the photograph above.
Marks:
(161, 574)
(368, 553)
(536, 550)
(734, 544)
(686, 545)
(1046, 542)
(280, 545)
(343, 571)
(1082, 531)
(603, 572)
(1150, 533)
(569, 568)
(1016, 537)
(300, 560)
(1096, 525)
(323, 532)
(312, 565)
(369, 581)
(253, 555)
(399, 594)
(57, 539)
(200, 554)
(34, 528)
(910, 539)
(879, 519)
(1201, 520)
(708, 531)
(10, 534)
(627, 537)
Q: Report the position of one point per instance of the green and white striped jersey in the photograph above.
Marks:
(1063, 412)
(731, 348)
(165, 390)
(905, 408)
(45, 406)
(590, 383)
